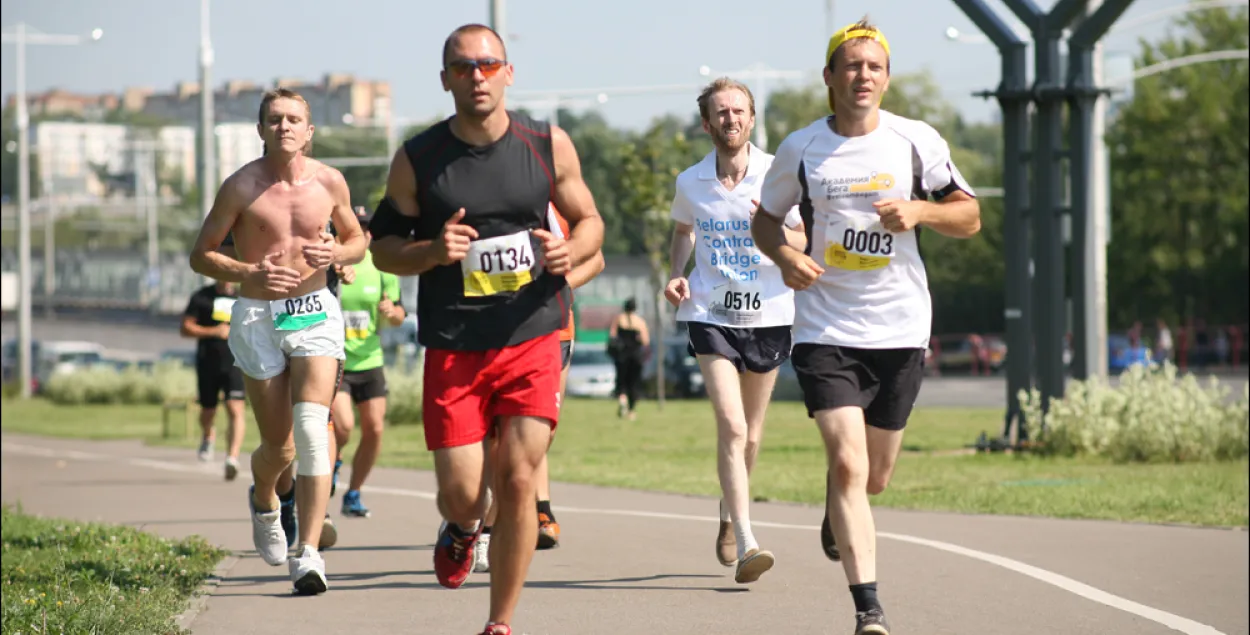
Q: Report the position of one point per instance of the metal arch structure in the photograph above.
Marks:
(1034, 179)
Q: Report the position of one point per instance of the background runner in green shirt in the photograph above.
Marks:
(369, 299)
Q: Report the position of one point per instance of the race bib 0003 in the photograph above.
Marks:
(293, 314)
(357, 323)
(498, 265)
(738, 303)
(857, 246)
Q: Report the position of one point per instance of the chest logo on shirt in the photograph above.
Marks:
(866, 186)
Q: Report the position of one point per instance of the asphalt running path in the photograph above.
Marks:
(643, 563)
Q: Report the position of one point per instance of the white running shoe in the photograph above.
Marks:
(206, 451)
(481, 554)
(308, 572)
(267, 534)
(232, 468)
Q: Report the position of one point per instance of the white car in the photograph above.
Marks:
(591, 372)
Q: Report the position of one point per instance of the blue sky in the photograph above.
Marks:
(554, 44)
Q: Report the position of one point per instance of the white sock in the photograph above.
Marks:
(746, 539)
(724, 511)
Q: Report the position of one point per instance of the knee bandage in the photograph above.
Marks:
(312, 438)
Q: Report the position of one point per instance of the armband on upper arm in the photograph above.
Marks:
(388, 221)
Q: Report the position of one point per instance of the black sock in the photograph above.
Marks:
(289, 496)
(865, 596)
(485, 530)
(544, 507)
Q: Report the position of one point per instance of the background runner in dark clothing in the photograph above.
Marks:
(207, 319)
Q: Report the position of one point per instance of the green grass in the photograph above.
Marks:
(67, 577)
(674, 451)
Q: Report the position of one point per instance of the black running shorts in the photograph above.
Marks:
(211, 381)
(758, 350)
(364, 385)
(884, 382)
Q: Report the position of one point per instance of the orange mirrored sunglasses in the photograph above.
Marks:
(464, 68)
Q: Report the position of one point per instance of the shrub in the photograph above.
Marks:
(403, 399)
(1152, 416)
(101, 385)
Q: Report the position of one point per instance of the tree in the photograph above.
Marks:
(648, 174)
(1180, 152)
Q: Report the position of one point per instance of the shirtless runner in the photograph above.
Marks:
(286, 329)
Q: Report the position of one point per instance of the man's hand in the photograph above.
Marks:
(556, 252)
(320, 255)
(274, 277)
(347, 273)
(388, 309)
(798, 269)
(898, 215)
(677, 290)
(222, 330)
(453, 242)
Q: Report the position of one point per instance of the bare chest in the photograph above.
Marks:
(284, 211)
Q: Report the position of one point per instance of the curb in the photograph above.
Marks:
(198, 601)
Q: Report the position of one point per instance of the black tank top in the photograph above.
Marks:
(505, 189)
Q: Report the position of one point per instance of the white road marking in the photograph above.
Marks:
(1174, 622)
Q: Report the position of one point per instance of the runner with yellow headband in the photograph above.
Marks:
(863, 179)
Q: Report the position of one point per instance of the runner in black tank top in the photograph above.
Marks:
(465, 209)
(505, 189)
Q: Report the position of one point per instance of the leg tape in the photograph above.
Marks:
(312, 439)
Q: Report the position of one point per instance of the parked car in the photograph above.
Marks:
(591, 372)
(682, 376)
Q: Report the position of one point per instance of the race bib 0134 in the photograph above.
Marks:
(293, 314)
(857, 246)
(498, 265)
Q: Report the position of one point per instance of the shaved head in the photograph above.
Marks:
(470, 30)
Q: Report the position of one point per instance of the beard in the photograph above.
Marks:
(725, 144)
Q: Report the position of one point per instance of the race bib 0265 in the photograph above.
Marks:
(857, 246)
(498, 265)
(293, 314)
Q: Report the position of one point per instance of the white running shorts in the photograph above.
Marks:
(264, 333)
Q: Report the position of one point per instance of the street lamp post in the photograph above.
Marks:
(21, 37)
(208, 138)
(760, 74)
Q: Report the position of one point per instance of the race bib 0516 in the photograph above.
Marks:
(498, 265)
(738, 303)
(857, 246)
(293, 314)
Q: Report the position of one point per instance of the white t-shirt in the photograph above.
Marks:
(874, 292)
(733, 284)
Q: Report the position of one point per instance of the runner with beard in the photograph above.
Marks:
(737, 307)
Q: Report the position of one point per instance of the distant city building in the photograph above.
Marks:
(88, 159)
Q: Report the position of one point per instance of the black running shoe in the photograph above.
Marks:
(826, 530)
(290, 525)
(826, 541)
(871, 622)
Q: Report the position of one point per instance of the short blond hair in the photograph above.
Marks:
(723, 84)
(271, 96)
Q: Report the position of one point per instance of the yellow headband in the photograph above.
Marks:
(849, 32)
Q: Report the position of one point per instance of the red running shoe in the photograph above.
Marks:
(453, 555)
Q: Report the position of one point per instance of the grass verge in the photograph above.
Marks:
(673, 450)
(66, 577)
